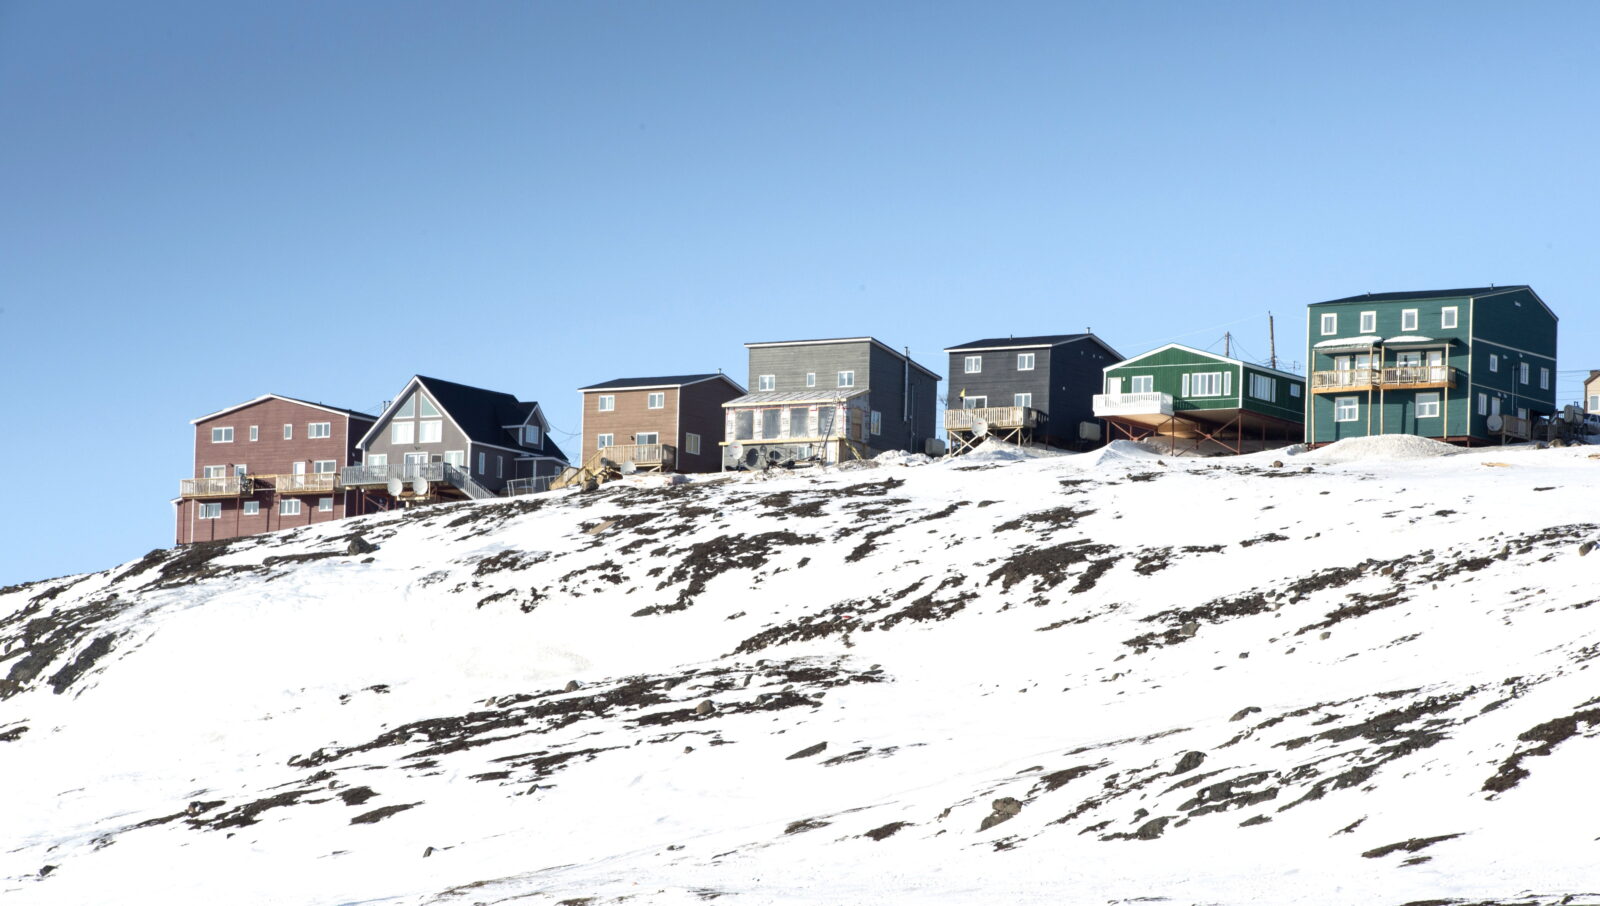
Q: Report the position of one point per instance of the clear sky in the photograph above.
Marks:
(201, 202)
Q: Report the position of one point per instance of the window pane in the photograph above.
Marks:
(770, 421)
(402, 432)
(744, 424)
(800, 422)
(425, 407)
(430, 432)
(825, 416)
(408, 409)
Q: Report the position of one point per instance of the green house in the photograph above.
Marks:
(1202, 402)
(1467, 366)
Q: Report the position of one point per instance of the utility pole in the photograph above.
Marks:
(1227, 345)
(1272, 342)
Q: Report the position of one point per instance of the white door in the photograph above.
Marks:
(300, 468)
(1113, 386)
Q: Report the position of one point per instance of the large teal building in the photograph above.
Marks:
(1467, 366)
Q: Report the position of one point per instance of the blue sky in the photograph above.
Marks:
(202, 202)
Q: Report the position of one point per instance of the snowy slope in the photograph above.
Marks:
(1358, 677)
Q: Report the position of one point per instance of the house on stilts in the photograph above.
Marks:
(1026, 390)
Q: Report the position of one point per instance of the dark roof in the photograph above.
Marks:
(676, 380)
(1006, 342)
(367, 416)
(873, 340)
(483, 414)
(1428, 294)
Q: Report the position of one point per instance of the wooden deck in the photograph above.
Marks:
(202, 488)
(302, 483)
(1393, 377)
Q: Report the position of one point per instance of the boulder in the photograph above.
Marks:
(359, 545)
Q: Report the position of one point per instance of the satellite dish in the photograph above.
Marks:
(396, 487)
(980, 428)
(629, 467)
(775, 455)
(736, 449)
(419, 486)
(753, 459)
(1496, 422)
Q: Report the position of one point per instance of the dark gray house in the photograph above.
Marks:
(1026, 390)
(443, 440)
(829, 401)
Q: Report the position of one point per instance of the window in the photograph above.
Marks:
(483, 463)
(1330, 324)
(241, 470)
(973, 364)
(1494, 405)
(975, 402)
(799, 422)
(1142, 383)
(377, 459)
(288, 432)
(324, 467)
(765, 382)
(1408, 319)
(811, 379)
(402, 432)
(255, 433)
(426, 408)
(1025, 400)
(1025, 361)
(319, 429)
(324, 504)
(1345, 408)
(1294, 390)
(771, 423)
(691, 444)
(214, 472)
(657, 400)
(744, 424)
(1544, 379)
(457, 458)
(430, 432)
(608, 402)
(1483, 404)
(1523, 372)
(1447, 317)
(877, 422)
(289, 507)
(847, 379)
(252, 507)
(531, 434)
(647, 438)
(1594, 402)
(1264, 387)
(1369, 322)
(1494, 362)
(601, 441)
(825, 417)
(499, 466)
(1207, 383)
(211, 511)
(1427, 405)
(409, 409)
(222, 435)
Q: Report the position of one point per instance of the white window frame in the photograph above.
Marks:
(426, 408)
(1522, 372)
(1483, 404)
(457, 458)
(289, 506)
(317, 430)
(483, 463)
(1369, 322)
(647, 438)
(324, 466)
(499, 466)
(1544, 379)
(408, 409)
(972, 364)
(1409, 319)
(1212, 378)
(213, 471)
(811, 379)
(1427, 405)
(691, 444)
(877, 423)
(1025, 361)
(255, 433)
(1022, 400)
(288, 432)
(1449, 317)
(211, 510)
(1294, 390)
(531, 435)
(1264, 387)
(1142, 383)
(1594, 402)
(607, 403)
(1494, 405)
(974, 402)
(222, 435)
(601, 441)
(1330, 323)
(324, 504)
(402, 432)
(252, 508)
(1346, 409)
(430, 431)
(656, 400)
(847, 379)
(766, 383)
(1494, 362)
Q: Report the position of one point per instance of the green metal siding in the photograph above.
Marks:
(1286, 405)
(1168, 366)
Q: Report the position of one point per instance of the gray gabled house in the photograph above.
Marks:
(1026, 390)
(829, 401)
(443, 440)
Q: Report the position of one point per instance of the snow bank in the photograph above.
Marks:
(902, 458)
(993, 450)
(1385, 446)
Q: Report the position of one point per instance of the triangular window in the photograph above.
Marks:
(427, 408)
(407, 409)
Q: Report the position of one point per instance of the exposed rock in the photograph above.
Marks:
(572, 686)
(1241, 715)
(359, 545)
(705, 707)
(1189, 762)
(1005, 809)
(808, 751)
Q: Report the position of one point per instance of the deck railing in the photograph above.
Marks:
(1413, 375)
(516, 487)
(1520, 428)
(1132, 404)
(993, 416)
(641, 454)
(1346, 378)
(407, 472)
(302, 483)
(228, 486)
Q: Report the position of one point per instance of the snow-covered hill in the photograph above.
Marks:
(1361, 676)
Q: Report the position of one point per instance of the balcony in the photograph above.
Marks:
(1345, 379)
(230, 486)
(1403, 376)
(373, 475)
(996, 418)
(301, 483)
(1519, 428)
(650, 457)
(1111, 404)
(1389, 377)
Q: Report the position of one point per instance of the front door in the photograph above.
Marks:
(300, 468)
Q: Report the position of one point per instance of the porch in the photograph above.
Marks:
(968, 427)
(212, 488)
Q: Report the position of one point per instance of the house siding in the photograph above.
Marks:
(877, 369)
(451, 438)
(1168, 367)
(1076, 370)
(700, 412)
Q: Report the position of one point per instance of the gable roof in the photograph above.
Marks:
(363, 416)
(1040, 342)
(652, 383)
(1210, 355)
(873, 340)
(484, 416)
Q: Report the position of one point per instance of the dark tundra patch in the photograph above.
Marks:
(706, 560)
(80, 665)
(1409, 846)
(378, 814)
(1050, 566)
(1046, 522)
(1545, 737)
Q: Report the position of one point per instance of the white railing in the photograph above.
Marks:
(1132, 404)
(1408, 375)
(1345, 378)
(229, 486)
(993, 416)
(640, 454)
(455, 476)
(302, 483)
(516, 487)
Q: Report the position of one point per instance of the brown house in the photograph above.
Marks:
(665, 424)
(271, 463)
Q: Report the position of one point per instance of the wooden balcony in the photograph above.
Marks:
(1112, 404)
(301, 483)
(650, 457)
(1389, 377)
(1345, 379)
(229, 486)
(995, 417)
(1520, 428)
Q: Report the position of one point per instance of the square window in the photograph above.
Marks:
(608, 402)
(1294, 390)
(601, 441)
(1142, 383)
(1264, 387)
(766, 382)
(214, 472)
(1427, 405)
(1408, 319)
(877, 422)
(210, 511)
(691, 444)
(1023, 400)
(1025, 361)
(811, 379)
(324, 467)
(1346, 409)
(324, 504)
(1448, 317)
(255, 433)
(1330, 324)
(657, 400)
(974, 364)
(290, 507)
(457, 458)
(252, 507)
(222, 435)
(402, 432)
(429, 432)
(847, 379)
(319, 429)
(1369, 322)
